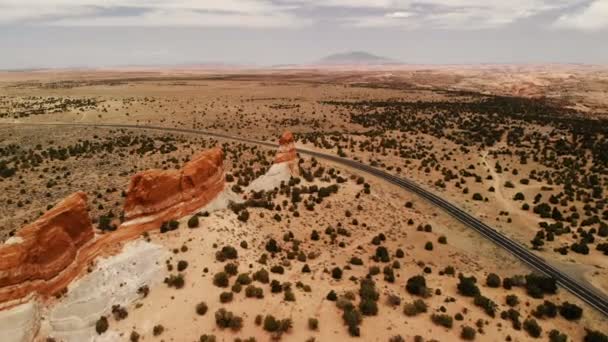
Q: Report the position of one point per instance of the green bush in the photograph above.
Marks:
(261, 276)
(595, 336)
(556, 336)
(221, 279)
(532, 328)
(336, 273)
(193, 222)
(467, 333)
(226, 297)
(101, 325)
(416, 285)
(443, 320)
(512, 300)
(414, 308)
(226, 319)
(313, 324)
(570, 312)
(467, 286)
(493, 280)
(201, 308)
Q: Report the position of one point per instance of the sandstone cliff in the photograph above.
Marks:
(45, 256)
(287, 149)
(155, 196)
(42, 250)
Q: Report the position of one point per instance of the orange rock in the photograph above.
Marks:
(155, 196)
(287, 150)
(45, 256)
(46, 247)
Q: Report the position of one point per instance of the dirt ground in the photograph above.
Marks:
(468, 154)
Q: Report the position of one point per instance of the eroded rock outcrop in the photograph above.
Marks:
(47, 255)
(155, 196)
(287, 149)
(41, 251)
(284, 167)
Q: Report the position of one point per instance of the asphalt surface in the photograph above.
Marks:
(586, 293)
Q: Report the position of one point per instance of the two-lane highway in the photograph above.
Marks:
(586, 293)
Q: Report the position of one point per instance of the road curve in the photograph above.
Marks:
(586, 293)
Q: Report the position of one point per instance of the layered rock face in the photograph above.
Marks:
(284, 167)
(155, 196)
(287, 149)
(45, 256)
(41, 251)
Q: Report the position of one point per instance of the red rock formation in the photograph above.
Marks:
(287, 152)
(45, 248)
(48, 254)
(155, 196)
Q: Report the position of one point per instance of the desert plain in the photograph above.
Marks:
(315, 251)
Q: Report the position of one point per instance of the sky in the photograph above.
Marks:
(101, 33)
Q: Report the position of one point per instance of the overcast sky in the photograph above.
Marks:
(68, 33)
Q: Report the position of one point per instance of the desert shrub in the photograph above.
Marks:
(467, 286)
(134, 337)
(399, 253)
(547, 309)
(176, 281)
(512, 300)
(415, 307)
(201, 308)
(442, 320)
(538, 285)
(157, 330)
(356, 261)
(556, 336)
(243, 279)
(226, 297)
(382, 254)
(207, 338)
(226, 319)
(493, 280)
(595, 336)
(227, 252)
(289, 296)
(428, 246)
(487, 304)
(570, 312)
(231, 269)
(393, 300)
(477, 197)
(119, 312)
(261, 276)
(272, 246)
(313, 324)
(182, 265)
(252, 291)
(442, 240)
(532, 328)
(278, 269)
(332, 296)
(221, 279)
(273, 325)
(416, 285)
(193, 222)
(336, 273)
(101, 325)
(467, 333)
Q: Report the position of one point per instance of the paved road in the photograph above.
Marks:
(586, 293)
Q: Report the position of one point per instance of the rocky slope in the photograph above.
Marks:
(45, 258)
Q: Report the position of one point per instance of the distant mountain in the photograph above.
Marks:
(356, 57)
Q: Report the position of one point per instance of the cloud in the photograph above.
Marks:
(591, 18)
(407, 14)
(238, 13)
